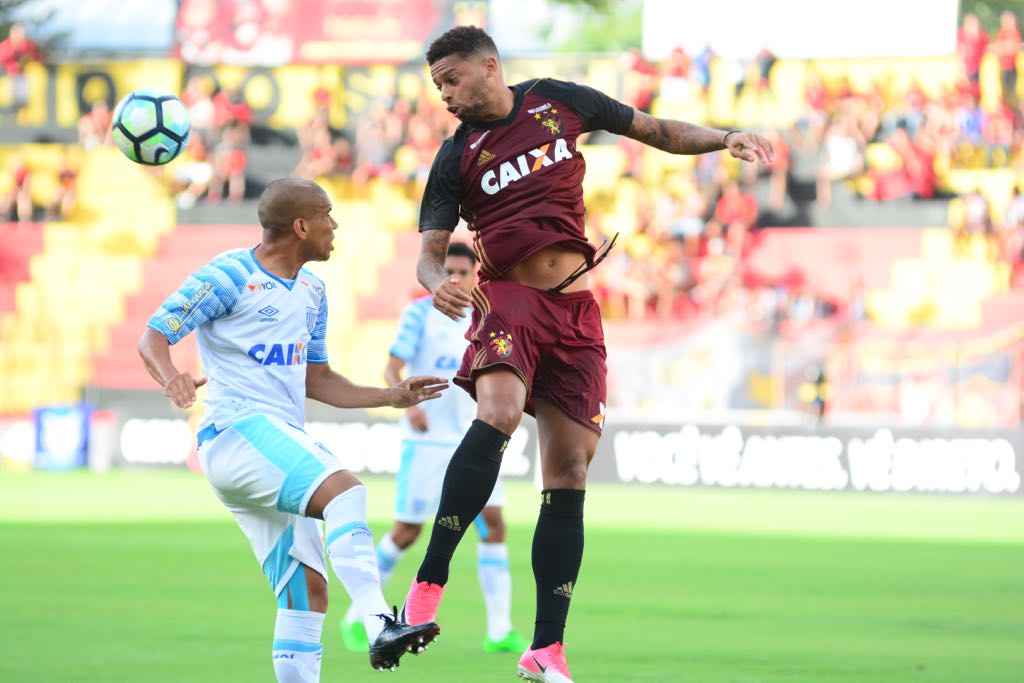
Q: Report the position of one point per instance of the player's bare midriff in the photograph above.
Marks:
(548, 268)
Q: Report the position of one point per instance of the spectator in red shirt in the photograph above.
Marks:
(63, 203)
(640, 80)
(20, 196)
(1006, 47)
(736, 211)
(229, 162)
(971, 42)
(918, 164)
(231, 111)
(16, 51)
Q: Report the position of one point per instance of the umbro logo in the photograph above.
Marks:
(267, 314)
(565, 590)
(450, 522)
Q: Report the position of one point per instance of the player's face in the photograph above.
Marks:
(463, 84)
(321, 230)
(463, 267)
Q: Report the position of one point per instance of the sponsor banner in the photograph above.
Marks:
(62, 437)
(148, 434)
(272, 33)
(281, 97)
(875, 459)
(884, 460)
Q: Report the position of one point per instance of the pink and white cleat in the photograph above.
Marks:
(422, 602)
(546, 665)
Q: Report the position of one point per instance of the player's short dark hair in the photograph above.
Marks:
(464, 41)
(462, 249)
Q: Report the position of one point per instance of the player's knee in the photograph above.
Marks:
(318, 597)
(568, 473)
(306, 591)
(404, 535)
(495, 531)
(502, 415)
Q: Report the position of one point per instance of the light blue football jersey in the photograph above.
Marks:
(256, 333)
(431, 343)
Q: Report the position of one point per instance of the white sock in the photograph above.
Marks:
(297, 648)
(496, 582)
(350, 548)
(388, 555)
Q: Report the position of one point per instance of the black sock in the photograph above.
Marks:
(468, 483)
(557, 555)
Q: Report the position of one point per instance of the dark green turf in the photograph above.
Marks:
(162, 601)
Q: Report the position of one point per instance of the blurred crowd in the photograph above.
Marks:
(684, 228)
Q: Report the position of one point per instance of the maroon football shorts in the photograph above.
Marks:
(553, 342)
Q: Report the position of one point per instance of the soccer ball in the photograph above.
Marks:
(151, 127)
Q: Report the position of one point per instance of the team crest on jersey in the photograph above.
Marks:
(311, 319)
(550, 121)
(501, 343)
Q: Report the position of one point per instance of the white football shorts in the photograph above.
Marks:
(419, 479)
(265, 470)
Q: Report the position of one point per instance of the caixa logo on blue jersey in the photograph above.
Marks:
(279, 354)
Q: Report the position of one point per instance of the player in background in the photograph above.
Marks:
(513, 172)
(261, 321)
(429, 342)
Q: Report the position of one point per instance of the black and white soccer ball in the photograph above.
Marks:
(151, 127)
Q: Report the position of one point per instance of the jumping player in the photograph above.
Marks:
(261, 319)
(513, 172)
(428, 342)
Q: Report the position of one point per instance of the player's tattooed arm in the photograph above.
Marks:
(433, 251)
(680, 137)
(449, 298)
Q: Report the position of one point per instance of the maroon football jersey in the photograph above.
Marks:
(518, 182)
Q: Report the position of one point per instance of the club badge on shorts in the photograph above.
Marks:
(501, 343)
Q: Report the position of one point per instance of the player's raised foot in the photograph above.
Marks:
(422, 602)
(353, 636)
(546, 665)
(513, 642)
(397, 638)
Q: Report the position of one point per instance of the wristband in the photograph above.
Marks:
(725, 138)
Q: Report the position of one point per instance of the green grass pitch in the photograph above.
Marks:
(141, 576)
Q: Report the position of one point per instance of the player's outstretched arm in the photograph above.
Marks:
(448, 295)
(679, 137)
(393, 375)
(334, 389)
(180, 387)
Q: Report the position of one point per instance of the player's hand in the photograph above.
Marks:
(418, 419)
(750, 147)
(450, 299)
(416, 390)
(182, 389)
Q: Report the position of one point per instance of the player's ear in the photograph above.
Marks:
(490, 64)
(301, 228)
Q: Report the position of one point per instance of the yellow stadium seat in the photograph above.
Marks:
(882, 157)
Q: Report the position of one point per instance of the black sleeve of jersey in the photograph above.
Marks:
(443, 194)
(595, 109)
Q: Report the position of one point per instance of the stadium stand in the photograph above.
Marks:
(920, 149)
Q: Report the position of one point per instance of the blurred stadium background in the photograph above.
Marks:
(850, 319)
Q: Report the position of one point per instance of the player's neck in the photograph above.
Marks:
(279, 262)
(503, 104)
